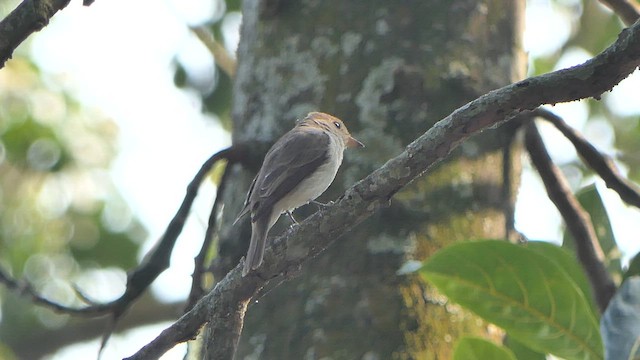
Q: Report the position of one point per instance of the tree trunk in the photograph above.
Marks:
(390, 70)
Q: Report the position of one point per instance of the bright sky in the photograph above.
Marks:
(116, 55)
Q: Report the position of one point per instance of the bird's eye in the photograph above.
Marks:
(337, 124)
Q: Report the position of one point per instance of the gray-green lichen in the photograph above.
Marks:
(373, 113)
(384, 243)
(323, 46)
(282, 79)
(350, 42)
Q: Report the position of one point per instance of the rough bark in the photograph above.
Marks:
(389, 70)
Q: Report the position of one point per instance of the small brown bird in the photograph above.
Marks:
(297, 169)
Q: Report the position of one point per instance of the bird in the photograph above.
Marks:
(297, 169)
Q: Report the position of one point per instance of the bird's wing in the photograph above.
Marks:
(291, 159)
(247, 202)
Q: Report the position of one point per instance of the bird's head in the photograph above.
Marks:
(333, 125)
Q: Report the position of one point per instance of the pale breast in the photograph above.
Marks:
(314, 185)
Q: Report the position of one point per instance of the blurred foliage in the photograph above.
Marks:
(216, 97)
(60, 216)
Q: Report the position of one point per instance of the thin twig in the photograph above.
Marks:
(24, 288)
(577, 219)
(597, 161)
(157, 260)
(629, 11)
(221, 56)
(41, 343)
(197, 289)
(298, 245)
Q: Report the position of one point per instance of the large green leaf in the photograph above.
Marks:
(522, 351)
(568, 263)
(522, 291)
(470, 348)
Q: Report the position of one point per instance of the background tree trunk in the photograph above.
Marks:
(390, 70)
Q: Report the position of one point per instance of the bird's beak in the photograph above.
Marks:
(352, 142)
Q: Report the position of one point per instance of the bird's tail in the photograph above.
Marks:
(259, 230)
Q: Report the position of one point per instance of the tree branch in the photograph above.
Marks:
(301, 243)
(629, 11)
(25, 289)
(30, 16)
(154, 263)
(158, 259)
(577, 219)
(149, 311)
(598, 162)
(197, 289)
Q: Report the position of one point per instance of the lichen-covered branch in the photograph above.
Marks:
(577, 219)
(299, 244)
(28, 17)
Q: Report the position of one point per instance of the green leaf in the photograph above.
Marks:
(568, 263)
(634, 267)
(523, 352)
(471, 348)
(526, 293)
(591, 201)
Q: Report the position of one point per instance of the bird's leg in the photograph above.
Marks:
(295, 222)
